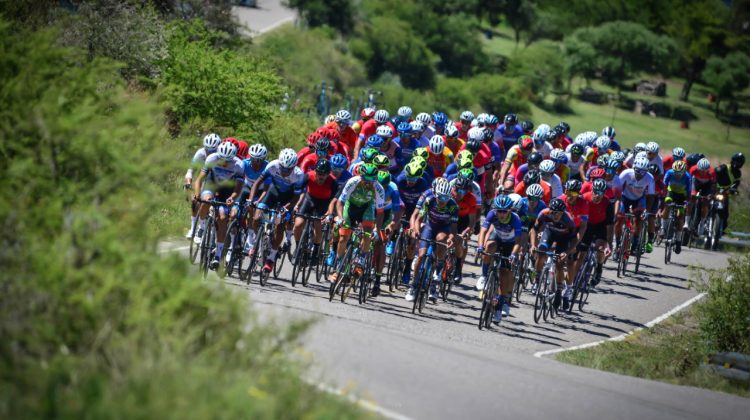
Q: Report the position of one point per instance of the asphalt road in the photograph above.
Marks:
(440, 366)
(268, 15)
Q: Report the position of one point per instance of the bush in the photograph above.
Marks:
(234, 91)
(338, 14)
(540, 67)
(724, 314)
(453, 94)
(94, 322)
(499, 95)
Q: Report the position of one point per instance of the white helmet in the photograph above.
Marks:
(405, 112)
(639, 147)
(466, 116)
(442, 187)
(417, 126)
(652, 147)
(640, 164)
(424, 118)
(678, 152)
(476, 133)
(704, 164)
(343, 116)
(227, 150)
(384, 131)
(547, 166)
(609, 132)
(474, 123)
(591, 137)
(258, 151)
(517, 201)
(382, 116)
(540, 134)
(211, 141)
(437, 144)
(451, 131)
(603, 142)
(287, 158)
(482, 118)
(581, 140)
(329, 119)
(534, 190)
(642, 154)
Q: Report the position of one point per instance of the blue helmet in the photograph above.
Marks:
(404, 128)
(491, 120)
(375, 141)
(439, 118)
(339, 161)
(502, 202)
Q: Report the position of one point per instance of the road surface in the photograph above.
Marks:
(440, 366)
(269, 14)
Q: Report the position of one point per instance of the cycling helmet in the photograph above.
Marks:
(526, 143)
(492, 120)
(639, 147)
(573, 185)
(609, 132)
(516, 201)
(642, 154)
(441, 187)
(581, 140)
(465, 155)
(384, 178)
(382, 161)
(211, 141)
(421, 152)
(242, 150)
(322, 145)
(618, 156)
(597, 173)
(313, 138)
(603, 142)
(551, 135)
(599, 186)
(404, 129)
(641, 164)
(559, 156)
(535, 191)
(502, 202)
(703, 164)
(465, 164)
(476, 133)
(652, 147)
(417, 127)
(421, 161)
(556, 204)
(482, 118)
(540, 134)
(527, 126)
(591, 137)
(439, 118)
(532, 177)
(602, 160)
(693, 158)
(679, 166)
(382, 116)
(424, 118)
(339, 161)
(436, 181)
(466, 116)
(462, 183)
(227, 150)
(547, 167)
(375, 141)
(488, 134)
(576, 149)
(258, 151)
(437, 144)
(451, 131)
(404, 112)
(653, 169)
(510, 119)
(414, 170)
(738, 159)
(466, 173)
(535, 158)
(384, 131)
(678, 153)
(323, 166)
(473, 145)
(329, 119)
(613, 164)
(343, 116)
(368, 172)
(564, 127)
(287, 158)
(368, 154)
(232, 140)
(367, 113)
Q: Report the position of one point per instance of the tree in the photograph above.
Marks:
(540, 67)
(520, 15)
(727, 76)
(580, 59)
(338, 14)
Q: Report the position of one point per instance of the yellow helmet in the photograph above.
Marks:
(679, 166)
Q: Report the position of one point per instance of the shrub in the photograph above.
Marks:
(724, 314)
(453, 94)
(338, 14)
(540, 67)
(499, 95)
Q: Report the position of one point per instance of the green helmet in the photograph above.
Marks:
(466, 173)
(421, 152)
(422, 162)
(602, 160)
(368, 172)
(384, 178)
(382, 161)
(414, 170)
(368, 155)
(465, 164)
(465, 155)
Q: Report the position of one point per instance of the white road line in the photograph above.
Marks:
(367, 405)
(621, 337)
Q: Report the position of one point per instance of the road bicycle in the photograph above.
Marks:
(713, 224)
(397, 261)
(489, 293)
(523, 272)
(622, 250)
(234, 242)
(208, 240)
(448, 274)
(544, 307)
(423, 281)
(302, 262)
(670, 228)
(346, 268)
(697, 223)
(262, 246)
(326, 244)
(582, 281)
(641, 240)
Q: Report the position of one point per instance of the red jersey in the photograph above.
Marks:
(347, 136)
(317, 191)
(463, 135)
(307, 151)
(667, 163)
(610, 193)
(702, 177)
(368, 129)
(597, 211)
(467, 205)
(520, 189)
(579, 210)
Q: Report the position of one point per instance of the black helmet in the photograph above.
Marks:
(511, 119)
(473, 145)
(599, 186)
(323, 144)
(532, 177)
(738, 159)
(462, 183)
(527, 126)
(489, 134)
(693, 158)
(323, 166)
(653, 169)
(551, 135)
(576, 149)
(535, 158)
(564, 126)
(573, 185)
(556, 204)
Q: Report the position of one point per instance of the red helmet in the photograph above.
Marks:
(596, 173)
(367, 113)
(331, 133)
(526, 143)
(313, 138)
(242, 150)
(234, 141)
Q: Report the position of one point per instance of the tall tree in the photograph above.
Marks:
(338, 14)
(520, 15)
(727, 76)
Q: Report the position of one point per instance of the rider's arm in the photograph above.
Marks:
(261, 179)
(199, 183)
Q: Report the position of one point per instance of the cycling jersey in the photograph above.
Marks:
(727, 177)
(325, 191)
(509, 137)
(681, 185)
(520, 172)
(222, 174)
(410, 194)
(505, 231)
(356, 194)
(435, 215)
(575, 167)
(309, 162)
(515, 157)
(668, 161)
(199, 158)
(251, 174)
(462, 134)
(563, 172)
(545, 149)
(393, 151)
(533, 213)
(555, 184)
(440, 162)
(343, 177)
(475, 191)
(600, 212)
(520, 189)
(408, 146)
(392, 198)
(579, 210)
(347, 136)
(368, 129)
(565, 227)
(454, 145)
(280, 182)
(467, 205)
(635, 189)
(613, 191)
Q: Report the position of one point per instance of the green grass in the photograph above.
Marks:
(669, 352)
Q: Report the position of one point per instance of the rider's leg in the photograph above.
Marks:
(299, 224)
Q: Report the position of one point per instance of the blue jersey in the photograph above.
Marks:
(392, 199)
(497, 153)
(408, 146)
(507, 231)
(509, 139)
(451, 172)
(410, 194)
(434, 214)
(251, 174)
(615, 146)
(341, 180)
(291, 182)
(682, 185)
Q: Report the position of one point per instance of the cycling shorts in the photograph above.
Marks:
(275, 198)
(218, 194)
(387, 217)
(463, 223)
(703, 189)
(354, 215)
(314, 206)
(429, 232)
(548, 237)
(505, 249)
(593, 233)
(627, 204)
(676, 198)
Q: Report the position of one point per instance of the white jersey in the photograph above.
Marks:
(199, 158)
(575, 166)
(555, 184)
(634, 189)
(360, 196)
(659, 163)
(283, 183)
(544, 149)
(222, 174)
(616, 184)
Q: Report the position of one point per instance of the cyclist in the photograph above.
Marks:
(657, 206)
(678, 183)
(516, 157)
(556, 226)
(403, 114)
(370, 128)
(390, 148)
(253, 166)
(360, 202)
(439, 121)
(579, 209)
(210, 143)
(505, 238)
(652, 152)
(532, 162)
(563, 139)
(342, 124)
(242, 149)
(438, 157)
(223, 175)
(367, 155)
(452, 141)
(728, 177)
(599, 227)
(411, 185)
(527, 127)
(392, 211)
(406, 142)
(366, 115)
(577, 162)
(541, 145)
(704, 185)
(547, 169)
(509, 131)
(439, 213)
(638, 192)
(678, 153)
(561, 164)
(283, 192)
(319, 188)
(601, 148)
(482, 156)
(469, 206)
(464, 124)
(534, 177)
(322, 151)
(610, 132)
(426, 121)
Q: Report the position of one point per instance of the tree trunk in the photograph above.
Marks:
(685, 94)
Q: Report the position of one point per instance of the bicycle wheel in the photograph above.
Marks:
(263, 250)
(551, 310)
(323, 251)
(540, 302)
(641, 244)
(238, 255)
(253, 260)
(418, 288)
(622, 264)
(427, 285)
(394, 263)
(194, 248)
(299, 256)
(583, 296)
(351, 280)
(280, 260)
(208, 245)
(669, 235)
(715, 231)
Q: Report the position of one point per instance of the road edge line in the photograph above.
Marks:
(621, 337)
(367, 405)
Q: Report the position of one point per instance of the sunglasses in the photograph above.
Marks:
(556, 213)
(534, 199)
(412, 178)
(640, 172)
(572, 193)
